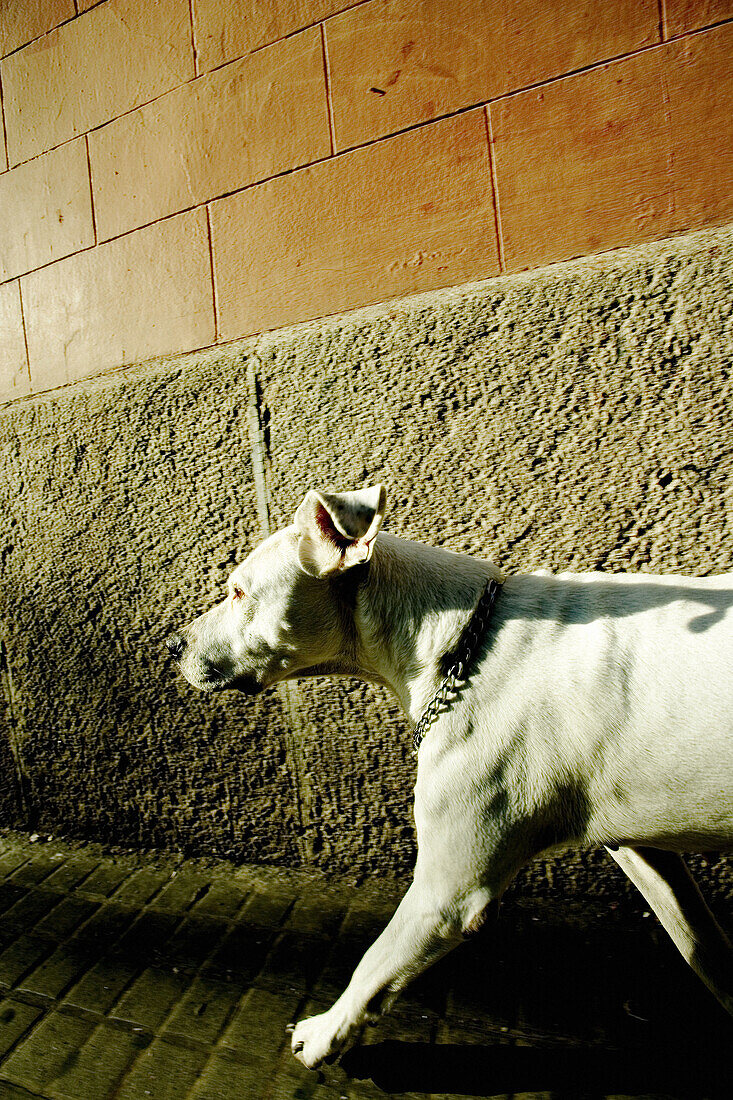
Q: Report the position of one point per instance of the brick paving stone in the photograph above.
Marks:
(10, 892)
(108, 924)
(401, 1027)
(140, 887)
(99, 1065)
(319, 911)
(150, 998)
(163, 1072)
(365, 1090)
(472, 1032)
(258, 1025)
(222, 1076)
(54, 974)
(241, 953)
(180, 891)
(292, 1081)
(65, 917)
(502, 1012)
(222, 901)
(71, 959)
(293, 963)
(50, 1049)
(105, 878)
(13, 857)
(191, 943)
(24, 954)
(367, 916)
(146, 935)
(41, 864)
(204, 1009)
(16, 1092)
(72, 872)
(15, 1019)
(269, 908)
(101, 985)
(342, 960)
(27, 910)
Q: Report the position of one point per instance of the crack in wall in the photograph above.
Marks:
(21, 781)
(288, 690)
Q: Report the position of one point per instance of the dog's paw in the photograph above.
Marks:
(318, 1038)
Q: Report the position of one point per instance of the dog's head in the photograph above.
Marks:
(284, 612)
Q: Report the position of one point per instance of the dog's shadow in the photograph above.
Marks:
(559, 1002)
(487, 1071)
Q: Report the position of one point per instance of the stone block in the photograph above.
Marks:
(394, 64)
(91, 70)
(14, 378)
(263, 115)
(45, 210)
(148, 293)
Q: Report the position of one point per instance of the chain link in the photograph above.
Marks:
(464, 653)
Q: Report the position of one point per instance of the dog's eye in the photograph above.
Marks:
(237, 593)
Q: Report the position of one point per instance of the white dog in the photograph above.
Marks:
(591, 709)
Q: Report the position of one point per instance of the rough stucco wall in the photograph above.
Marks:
(573, 418)
(128, 505)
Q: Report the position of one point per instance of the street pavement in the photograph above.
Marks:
(134, 976)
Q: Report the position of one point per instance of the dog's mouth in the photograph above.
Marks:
(210, 678)
(248, 685)
(213, 681)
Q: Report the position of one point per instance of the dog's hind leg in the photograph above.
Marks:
(664, 880)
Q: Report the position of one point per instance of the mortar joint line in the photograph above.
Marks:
(193, 39)
(5, 130)
(91, 192)
(494, 186)
(663, 21)
(214, 295)
(257, 447)
(327, 78)
(664, 87)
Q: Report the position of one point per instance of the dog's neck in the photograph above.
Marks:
(412, 607)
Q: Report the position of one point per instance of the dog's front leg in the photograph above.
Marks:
(423, 928)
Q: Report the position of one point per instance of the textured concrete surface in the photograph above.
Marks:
(124, 976)
(574, 418)
(136, 488)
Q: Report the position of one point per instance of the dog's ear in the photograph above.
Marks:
(337, 530)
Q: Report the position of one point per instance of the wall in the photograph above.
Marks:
(176, 175)
(576, 417)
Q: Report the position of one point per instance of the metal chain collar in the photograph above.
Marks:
(458, 669)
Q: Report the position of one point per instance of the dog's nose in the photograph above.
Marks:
(176, 644)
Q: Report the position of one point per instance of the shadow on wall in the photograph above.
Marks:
(574, 602)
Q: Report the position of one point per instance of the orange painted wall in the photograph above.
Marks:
(177, 173)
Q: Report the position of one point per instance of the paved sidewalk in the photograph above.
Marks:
(128, 977)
